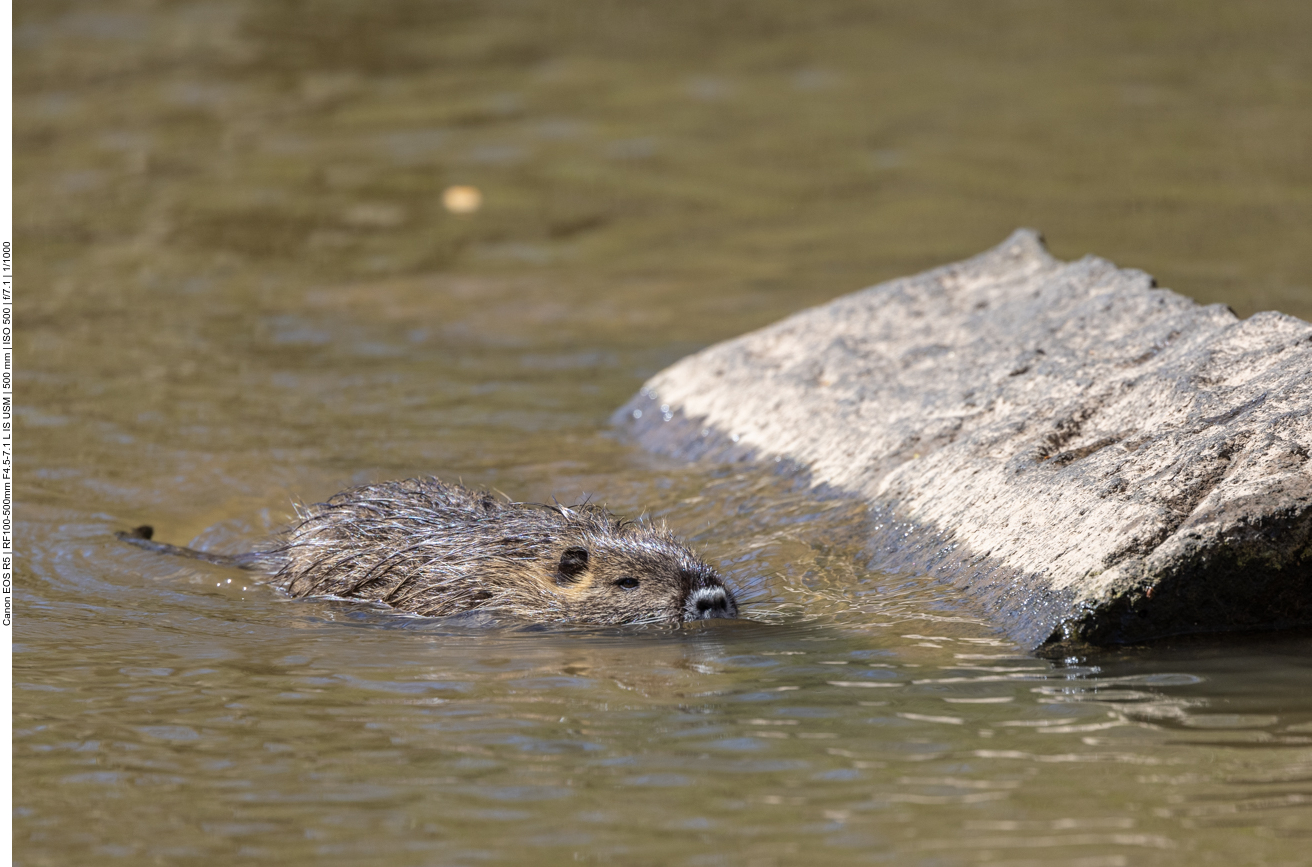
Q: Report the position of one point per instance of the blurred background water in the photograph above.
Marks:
(239, 285)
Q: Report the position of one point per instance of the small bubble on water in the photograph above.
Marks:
(637, 413)
(462, 199)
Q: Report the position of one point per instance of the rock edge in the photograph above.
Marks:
(1086, 457)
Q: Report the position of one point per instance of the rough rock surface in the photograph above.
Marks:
(1091, 459)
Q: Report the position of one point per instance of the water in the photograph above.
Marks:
(239, 287)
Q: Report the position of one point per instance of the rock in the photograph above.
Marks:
(1088, 458)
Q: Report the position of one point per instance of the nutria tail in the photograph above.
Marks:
(142, 537)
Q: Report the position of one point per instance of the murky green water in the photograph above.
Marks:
(239, 286)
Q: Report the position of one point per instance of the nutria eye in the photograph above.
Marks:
(627, 583)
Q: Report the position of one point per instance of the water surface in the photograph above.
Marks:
(240, 287)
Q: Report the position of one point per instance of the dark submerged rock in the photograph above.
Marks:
(1089, 458)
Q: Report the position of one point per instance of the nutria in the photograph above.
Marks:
(433, 548)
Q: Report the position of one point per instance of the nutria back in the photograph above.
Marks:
(432, 548)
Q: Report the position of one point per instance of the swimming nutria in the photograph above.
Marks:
(432, 548)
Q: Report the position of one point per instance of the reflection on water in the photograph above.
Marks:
(857, 715)
(243, 285)
(220, 724)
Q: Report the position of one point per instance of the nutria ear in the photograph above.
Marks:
(572, 564)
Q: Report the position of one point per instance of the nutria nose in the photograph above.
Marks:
(709, 602)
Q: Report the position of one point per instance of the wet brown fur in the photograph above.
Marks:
(432, 548)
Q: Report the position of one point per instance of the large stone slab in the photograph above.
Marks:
(1089, 458)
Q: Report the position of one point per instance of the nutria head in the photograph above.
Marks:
(433, 548)
(621, 572)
